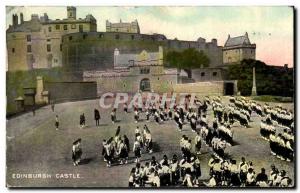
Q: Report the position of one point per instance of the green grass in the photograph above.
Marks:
(269, 98)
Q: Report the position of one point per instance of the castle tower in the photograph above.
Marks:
(71, 12)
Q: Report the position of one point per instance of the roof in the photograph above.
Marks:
(236, 41)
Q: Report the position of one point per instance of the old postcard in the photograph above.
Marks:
(150, 97)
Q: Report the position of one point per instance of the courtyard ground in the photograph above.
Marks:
(34, 146)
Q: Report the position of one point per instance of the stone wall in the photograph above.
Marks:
(207, 74)
(95, 50)
(211, 88)
(131, 83)
(67, 91)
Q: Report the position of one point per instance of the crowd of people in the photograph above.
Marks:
(227, 172)
(277, 128)
(116, 149)
(217, 134)
(166, 172)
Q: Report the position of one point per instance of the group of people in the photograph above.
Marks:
(281, 145)
(166, 172)
(280, 116)
(277, 128)
(187, 171)
(116, 149)
(143, 142)
(230, 173)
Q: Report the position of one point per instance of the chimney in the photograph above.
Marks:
(15, 19)
(214, 41)
(246, 34)
(21, 18)
(228, 36)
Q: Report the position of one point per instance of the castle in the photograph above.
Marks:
(76, 45)
(37, 43)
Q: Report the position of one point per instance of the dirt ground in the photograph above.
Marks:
(34, 146)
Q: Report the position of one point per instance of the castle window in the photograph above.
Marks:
(55, 60)
(57, 27)
(29, 48)
(144, 70)
(60, 47)
(48, 40)
(132, 37)
(84, 36)
(70, 38)
(80, 28)
(101, 35)
(49, 29)
(131, 62)
(28, 38)
(73, 26)
(48, 48)
(65, 27)
(13, 50)
(117, 36)
(251, 51)
(215, 73)
(202, 73)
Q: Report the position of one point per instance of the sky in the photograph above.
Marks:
(269, 27)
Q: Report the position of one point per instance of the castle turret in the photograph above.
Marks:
(71, 12)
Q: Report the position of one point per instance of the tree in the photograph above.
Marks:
(270, 80)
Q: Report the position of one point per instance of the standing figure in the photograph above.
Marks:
(82, 121)
(198, 143)
(76, 152)
(97, 116)
(125, 108)
(137, 150)
(56, 122)
(126, 142)
(52, 106)
(136, 115)
(122, 151)
(108, 152)
(113, 116)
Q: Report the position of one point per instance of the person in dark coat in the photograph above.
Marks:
(126, 142)
(97, 116)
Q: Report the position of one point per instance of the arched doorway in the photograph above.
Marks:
(145, 85)
(228, 88)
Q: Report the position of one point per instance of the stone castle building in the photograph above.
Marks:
(76, 45)
(92, 50)
(37, 43)
(238, 48)
(132, 27)
(134, 72)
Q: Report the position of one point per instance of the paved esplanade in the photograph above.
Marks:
(34, 146)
